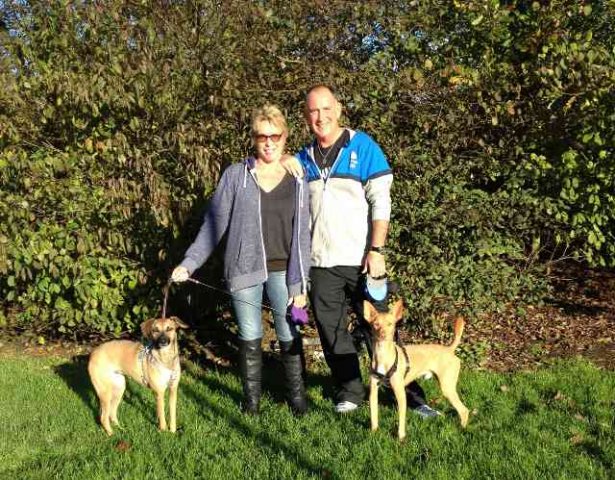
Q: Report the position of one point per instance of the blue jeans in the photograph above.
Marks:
(246, 303)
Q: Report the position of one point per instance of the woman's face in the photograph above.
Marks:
(269, 141)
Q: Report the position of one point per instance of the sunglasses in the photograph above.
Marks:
(275, 138)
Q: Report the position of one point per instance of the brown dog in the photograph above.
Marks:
(398, 366)
(155, 366)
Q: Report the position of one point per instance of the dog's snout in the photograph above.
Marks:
(163, 341)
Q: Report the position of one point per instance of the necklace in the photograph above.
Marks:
(325, 156)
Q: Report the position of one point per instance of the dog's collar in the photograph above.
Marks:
(146, 351)
(146, 354)
(385, 378)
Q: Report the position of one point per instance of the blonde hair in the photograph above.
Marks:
(271, 114)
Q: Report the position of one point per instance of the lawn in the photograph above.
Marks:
(556, 422)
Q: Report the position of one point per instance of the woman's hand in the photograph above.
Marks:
(300, 301)
(180, 274)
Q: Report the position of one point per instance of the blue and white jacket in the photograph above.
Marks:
(345, 201)
(235, 210)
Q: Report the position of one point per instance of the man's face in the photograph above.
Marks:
(322, 114)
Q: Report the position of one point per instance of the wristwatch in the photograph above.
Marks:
(379, 250)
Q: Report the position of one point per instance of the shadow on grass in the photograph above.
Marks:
(269, 440)
(593, 450)
(75, 375)
(525, 407)
(273, 379)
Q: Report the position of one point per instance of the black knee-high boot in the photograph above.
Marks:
(251, 366)
(292, 359)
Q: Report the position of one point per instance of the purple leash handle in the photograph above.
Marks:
(298, 315)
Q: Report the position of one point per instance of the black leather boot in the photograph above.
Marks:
(251, 366)
(292, 359)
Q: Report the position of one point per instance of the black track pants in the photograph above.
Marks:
(330, 289)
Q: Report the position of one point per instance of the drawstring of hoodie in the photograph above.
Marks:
(303, 278)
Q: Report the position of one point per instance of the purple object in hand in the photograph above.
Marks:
(298, 315)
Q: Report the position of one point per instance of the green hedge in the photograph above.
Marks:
(498, 118)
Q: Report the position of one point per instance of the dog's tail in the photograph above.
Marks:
(459, 324)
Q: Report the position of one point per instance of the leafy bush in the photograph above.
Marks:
(498, 118)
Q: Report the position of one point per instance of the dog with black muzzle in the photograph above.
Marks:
(155, 365)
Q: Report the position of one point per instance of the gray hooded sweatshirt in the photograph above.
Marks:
(235, 210)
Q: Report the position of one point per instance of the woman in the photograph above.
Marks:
(264, 213)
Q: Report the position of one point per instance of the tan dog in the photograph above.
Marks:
(399, 365)
(155, 366)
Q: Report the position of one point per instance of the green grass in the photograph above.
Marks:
(553, 423)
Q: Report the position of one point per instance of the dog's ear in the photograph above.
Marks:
(179, 323)
(146, 327)
(398, 310)
(369, 311)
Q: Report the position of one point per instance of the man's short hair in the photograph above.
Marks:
(327, 86)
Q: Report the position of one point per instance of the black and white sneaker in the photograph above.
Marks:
(425, 411)
(345, 406)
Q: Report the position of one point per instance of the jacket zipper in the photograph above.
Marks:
(323, 178)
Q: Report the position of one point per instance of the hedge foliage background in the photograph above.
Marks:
(116, 118)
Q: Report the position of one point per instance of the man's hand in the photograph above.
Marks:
(374, 264)
(180, 274)
(292, 165)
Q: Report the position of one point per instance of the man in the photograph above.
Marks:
(350, 205)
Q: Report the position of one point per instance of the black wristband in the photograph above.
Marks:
(377, 249)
